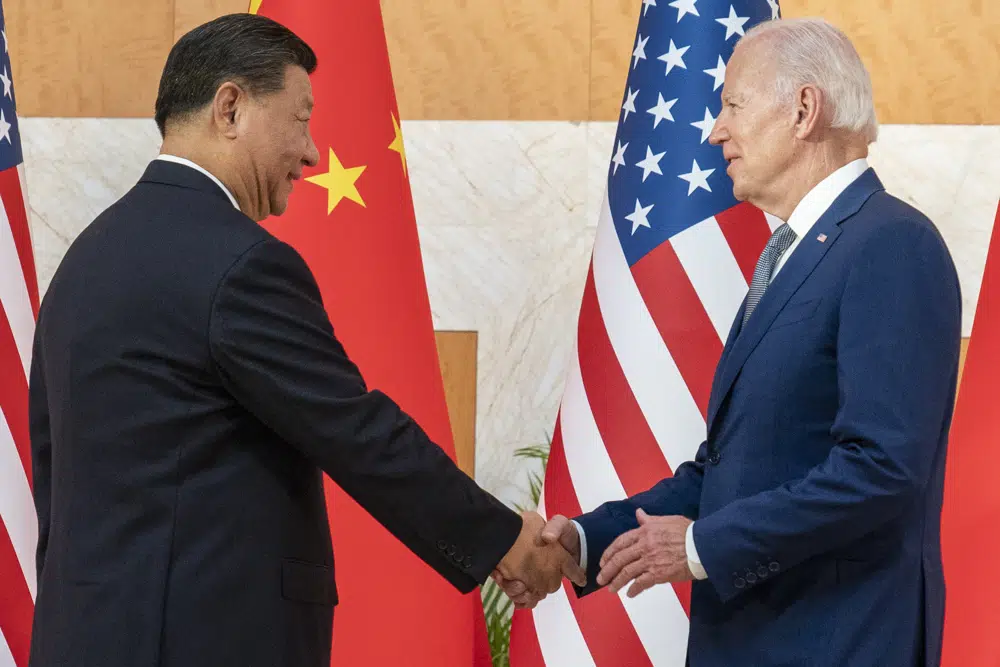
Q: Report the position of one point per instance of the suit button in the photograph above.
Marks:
(458, 556)
(442, 545)
(774, 566)
(714, 458)
(751, 578)
(468, 561)
(451, 550)
(761, 571)
(740, 582)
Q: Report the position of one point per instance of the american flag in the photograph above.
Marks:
(674, 255)
(18, 309)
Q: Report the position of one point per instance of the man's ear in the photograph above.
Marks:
(227, 106)
(809, 103)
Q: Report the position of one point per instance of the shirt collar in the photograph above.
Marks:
(199, 168)
(821, 197)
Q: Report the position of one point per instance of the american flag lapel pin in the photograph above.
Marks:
(821, 238)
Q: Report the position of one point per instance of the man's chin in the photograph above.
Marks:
(279, 207)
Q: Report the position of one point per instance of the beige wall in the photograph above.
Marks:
(931, 61)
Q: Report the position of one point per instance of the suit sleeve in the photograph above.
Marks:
(897, 355)
(41, 454)
(276, 352)
(677, 495)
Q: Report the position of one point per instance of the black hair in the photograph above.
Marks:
(249, 50)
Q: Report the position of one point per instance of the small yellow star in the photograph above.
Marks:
(255, 6)
(397, 143)
(340, 182)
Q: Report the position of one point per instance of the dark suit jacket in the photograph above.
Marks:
(186, 392)
(817, 495)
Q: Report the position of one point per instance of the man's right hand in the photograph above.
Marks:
(560, 530)
(556, 546)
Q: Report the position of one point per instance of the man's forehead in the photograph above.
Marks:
(753, 59)
(301, 93)
(297, 81)
(745, 75)
(736, 65)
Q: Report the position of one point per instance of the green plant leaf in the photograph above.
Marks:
(497, 607)
(498, 610)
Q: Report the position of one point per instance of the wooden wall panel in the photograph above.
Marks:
(190, 14)
(472, 59)
(490, 59)
(98, 58)
(961, 359)
(457, 354)
(613, 29)
(930, 61)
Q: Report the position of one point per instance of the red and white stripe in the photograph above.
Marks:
(6, 657)
(18, 524)
(633, 410)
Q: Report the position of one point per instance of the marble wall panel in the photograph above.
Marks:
(506, 214)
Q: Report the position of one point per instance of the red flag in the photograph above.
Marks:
(969, 538)
(18, 310)
(354, 224)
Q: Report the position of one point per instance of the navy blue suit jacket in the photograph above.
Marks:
(817, 494)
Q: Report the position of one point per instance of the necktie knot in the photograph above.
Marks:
(780, 240)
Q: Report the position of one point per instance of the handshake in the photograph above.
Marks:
(539, 560)
(652, 554)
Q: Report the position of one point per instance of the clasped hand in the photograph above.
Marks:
(654, 553)
(535, 567)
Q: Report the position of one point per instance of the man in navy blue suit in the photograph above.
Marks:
(810, 516)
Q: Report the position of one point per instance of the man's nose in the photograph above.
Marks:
(312, 154)
(718, 135)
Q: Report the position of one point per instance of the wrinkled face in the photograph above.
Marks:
(277, 141)
(757, 134)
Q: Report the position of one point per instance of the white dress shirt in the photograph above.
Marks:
(198, 167)
(806, 214)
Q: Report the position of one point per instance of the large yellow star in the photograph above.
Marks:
(340, 182)
(397, 143)
(255, 6)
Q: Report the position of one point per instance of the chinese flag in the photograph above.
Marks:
(353, 222)
(969, 537)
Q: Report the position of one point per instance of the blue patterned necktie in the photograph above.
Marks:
(776, 246)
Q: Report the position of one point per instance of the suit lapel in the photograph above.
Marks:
(800, 265)
(734, 331)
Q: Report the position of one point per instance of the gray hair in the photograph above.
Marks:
(812, 51)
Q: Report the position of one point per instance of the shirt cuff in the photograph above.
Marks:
(583, 545)
(694, 561)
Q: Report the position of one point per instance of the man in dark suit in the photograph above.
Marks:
(187, 392)
(816, 496)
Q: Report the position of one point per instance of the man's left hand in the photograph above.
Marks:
(654, 553)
